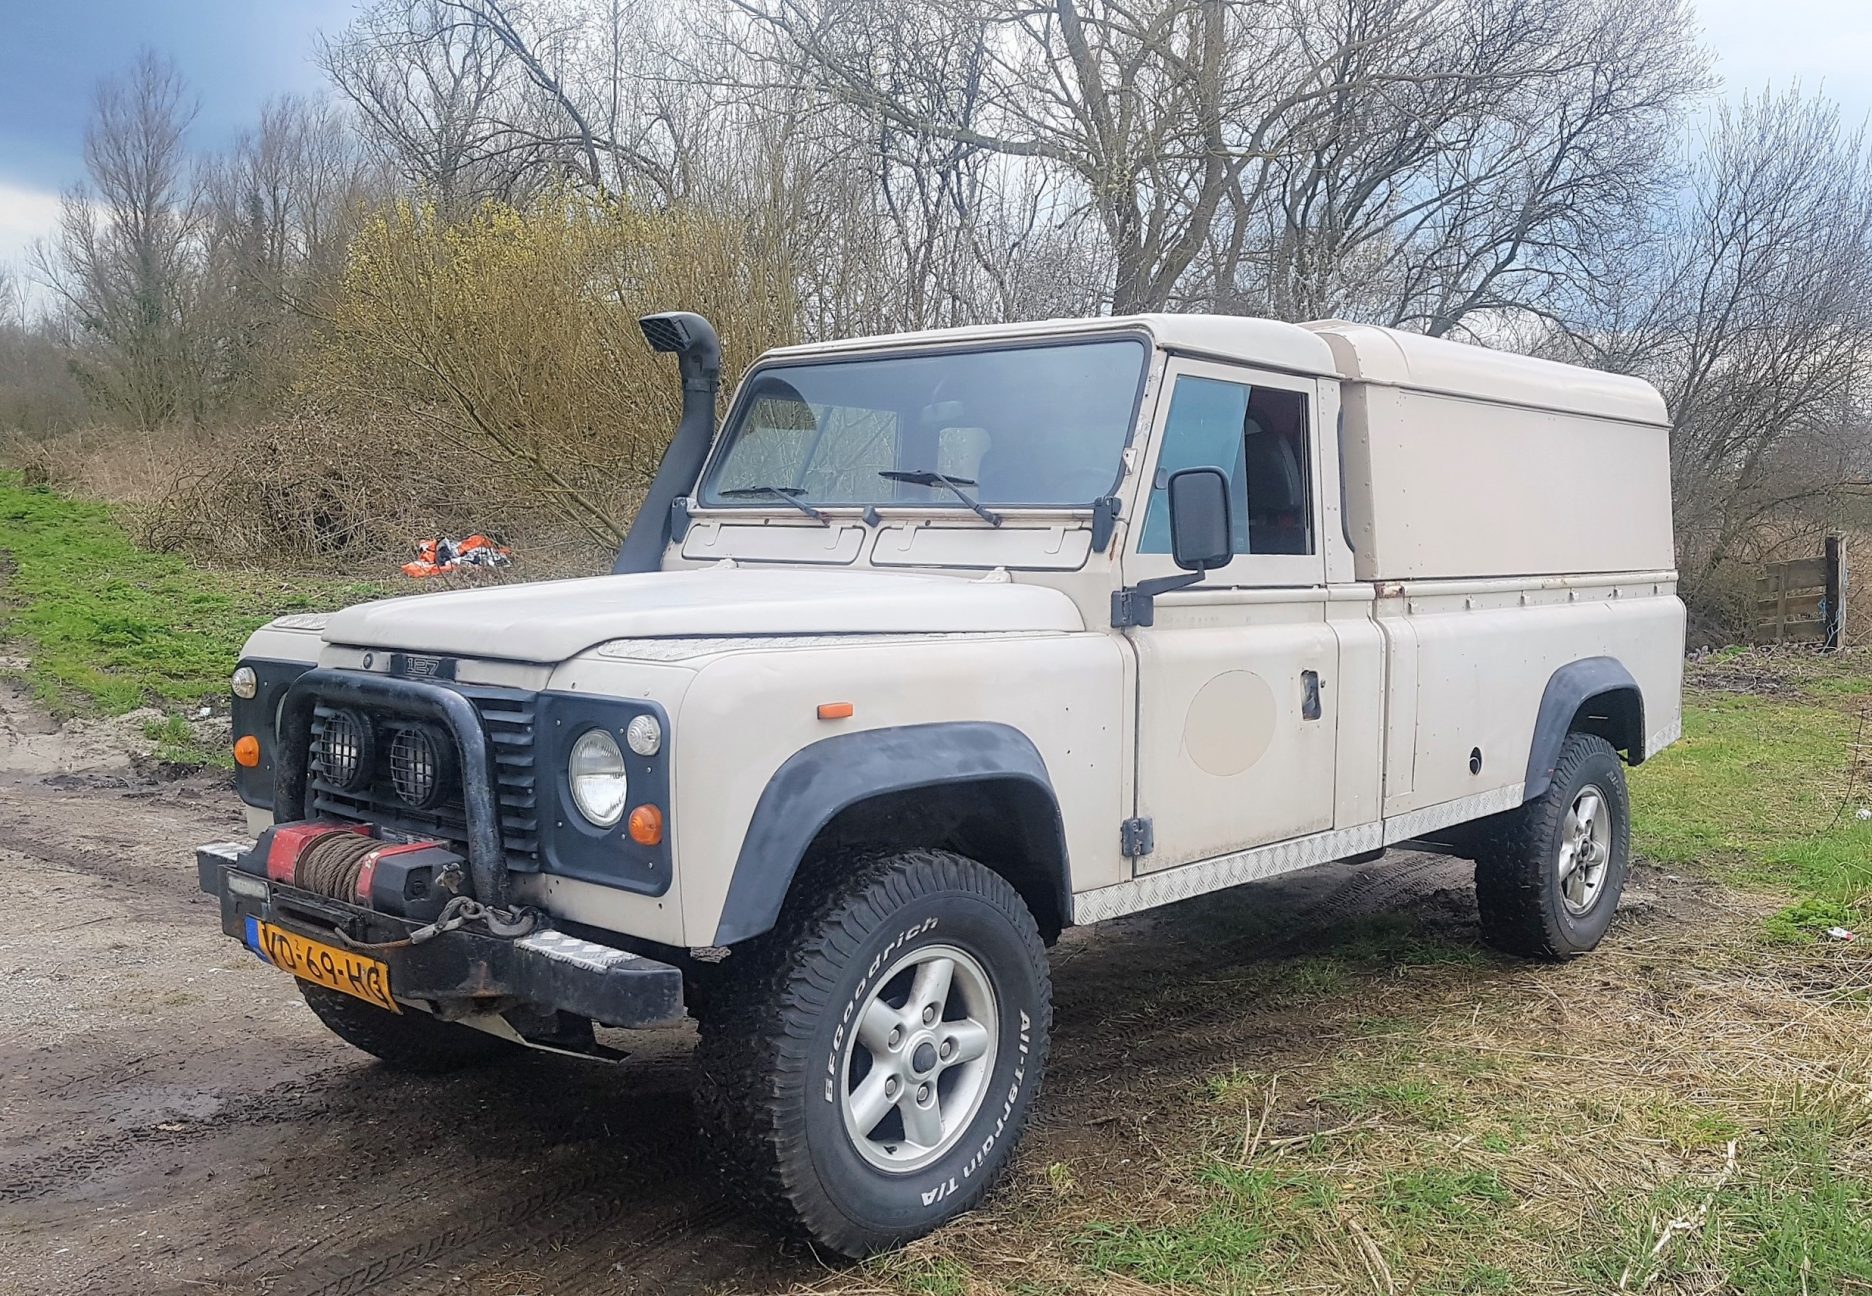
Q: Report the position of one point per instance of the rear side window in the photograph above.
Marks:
(1258, 437)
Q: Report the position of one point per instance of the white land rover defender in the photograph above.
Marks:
(946, 642)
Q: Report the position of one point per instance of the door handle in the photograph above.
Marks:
(1309, 695)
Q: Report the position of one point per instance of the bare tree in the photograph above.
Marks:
(442, 101)
(1221, 129)
(1751, 308)
(125, 261)
(1487, 175)
(12, 299)
(285, 202)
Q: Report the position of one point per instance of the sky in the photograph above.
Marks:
(235, 54)
(238, 53)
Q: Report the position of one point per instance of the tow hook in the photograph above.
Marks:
(508, 924)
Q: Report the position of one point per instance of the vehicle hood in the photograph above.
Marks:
(549, 621)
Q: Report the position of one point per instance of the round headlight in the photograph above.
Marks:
(245, 682)
(596, 773)
(644, 735)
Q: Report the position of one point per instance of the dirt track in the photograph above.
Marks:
(173, 1120)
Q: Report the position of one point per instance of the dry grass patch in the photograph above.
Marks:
(1685, 1112)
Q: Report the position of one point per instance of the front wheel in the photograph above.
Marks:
(1548, 883)
(865, 1075)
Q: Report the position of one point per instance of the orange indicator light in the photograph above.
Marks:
(835, 710)
(247, 751)
(646, 825)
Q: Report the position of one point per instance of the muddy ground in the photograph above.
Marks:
(173, 1120)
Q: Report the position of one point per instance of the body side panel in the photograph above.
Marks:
(1484, 659)
(1356, 695)
(748, 713)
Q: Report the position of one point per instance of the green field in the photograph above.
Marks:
(107, 627)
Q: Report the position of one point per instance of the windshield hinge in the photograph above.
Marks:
(1104, 521)
(679, 518)
(1135, 838)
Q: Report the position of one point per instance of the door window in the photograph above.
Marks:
(1257, 435)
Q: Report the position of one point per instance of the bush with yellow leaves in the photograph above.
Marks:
(485, 374)
(510, 339)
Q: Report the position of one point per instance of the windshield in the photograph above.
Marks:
(1037, 425)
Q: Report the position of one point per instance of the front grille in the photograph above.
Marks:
(412, 783)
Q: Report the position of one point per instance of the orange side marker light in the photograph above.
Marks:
(247, 751)
(835, 710)
(646, 825)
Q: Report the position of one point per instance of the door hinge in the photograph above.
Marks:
(1136, 837)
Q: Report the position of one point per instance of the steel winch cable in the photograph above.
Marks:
(331, 864)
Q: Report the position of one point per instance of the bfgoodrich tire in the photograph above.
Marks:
(407, 1041)
(865, 1075)
(1549, 881)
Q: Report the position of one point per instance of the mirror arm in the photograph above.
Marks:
(1136, 605)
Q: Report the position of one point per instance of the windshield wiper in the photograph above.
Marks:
(930, 477)
(785, 494)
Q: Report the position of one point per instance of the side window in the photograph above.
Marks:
(1258, 436)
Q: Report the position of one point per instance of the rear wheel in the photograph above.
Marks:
(865, 1076)
(408, 1041)
(1549, 881)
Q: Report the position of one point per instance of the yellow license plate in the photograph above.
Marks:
(322, 964)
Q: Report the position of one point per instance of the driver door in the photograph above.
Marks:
(1236, 719)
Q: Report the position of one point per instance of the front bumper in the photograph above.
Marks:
(460, 970)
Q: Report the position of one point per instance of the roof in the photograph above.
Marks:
(1328, 348)
(1390, 357)
(1269, 343)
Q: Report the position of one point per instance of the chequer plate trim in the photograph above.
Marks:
(1188, 880)
(1662, 738)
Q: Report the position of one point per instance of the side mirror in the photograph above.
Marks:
(1202, 538)
(1202, 534)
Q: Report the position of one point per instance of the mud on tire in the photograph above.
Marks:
(410, 1041)
(1531, 880)
(796, 1055)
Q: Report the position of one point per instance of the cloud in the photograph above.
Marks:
(25, 214)
(1825, 45)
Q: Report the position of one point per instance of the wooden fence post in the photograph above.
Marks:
(1835, 593)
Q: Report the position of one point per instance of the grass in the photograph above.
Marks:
(1766, 787)
(175, 741)
(109, 627)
